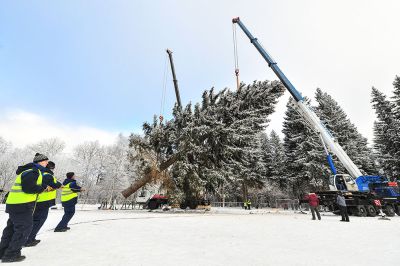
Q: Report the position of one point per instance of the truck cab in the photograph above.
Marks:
(342, 182)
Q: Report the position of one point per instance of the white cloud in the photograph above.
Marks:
(23, 128)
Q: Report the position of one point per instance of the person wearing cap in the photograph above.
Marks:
(45, 200)
(20, 205)
(69, 198)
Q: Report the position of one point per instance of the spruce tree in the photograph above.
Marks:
(386, 134)
(306, 166)
(339, 125)
(276, 161)
(396, 125)
(216, 141)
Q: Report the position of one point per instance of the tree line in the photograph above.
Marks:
(219, 149)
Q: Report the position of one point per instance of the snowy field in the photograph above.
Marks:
(220, 237)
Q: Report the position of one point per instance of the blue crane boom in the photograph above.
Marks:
(309, 115)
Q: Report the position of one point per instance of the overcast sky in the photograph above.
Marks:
(85, 70)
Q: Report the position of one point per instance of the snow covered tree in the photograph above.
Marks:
(306, 166)
(396, 98)
(353, 143)
(386, 133)
(273, 154)
(49, 147)
(7, 167)
(10, 159)
(217, 140)
(89, 160)
(115, 174)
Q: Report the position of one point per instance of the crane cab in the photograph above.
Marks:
(342, 182)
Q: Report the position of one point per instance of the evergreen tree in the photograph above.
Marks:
(396, 125)
(216, 141)
(306, 166)
(386, 134)
(275, 160)
(396, 98)
(353, 143)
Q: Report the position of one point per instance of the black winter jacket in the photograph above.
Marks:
(48, 180)
(28, 184)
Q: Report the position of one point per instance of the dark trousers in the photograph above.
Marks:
(39, 217)
(313, 211)
(343, 212)
(19, 226)
(69, 212)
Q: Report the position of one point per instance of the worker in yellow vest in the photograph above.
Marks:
(44, 202)
(20, 205)
(69, 198)
(248, 204)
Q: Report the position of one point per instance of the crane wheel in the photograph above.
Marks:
(397, 210)
(361, 211)
(389, 211)
(371, 210)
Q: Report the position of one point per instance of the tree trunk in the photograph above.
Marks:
(244, 189)
(149, 175)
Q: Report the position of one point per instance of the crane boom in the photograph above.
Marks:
(304, 109)
(171, 61)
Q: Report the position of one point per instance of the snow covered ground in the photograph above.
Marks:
(220, 237)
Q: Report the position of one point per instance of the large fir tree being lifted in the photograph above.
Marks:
(215, 141)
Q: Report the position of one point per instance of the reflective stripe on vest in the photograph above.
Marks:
(67, 193)
(17, 196)
(48, 195)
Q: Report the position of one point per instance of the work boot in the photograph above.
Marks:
(32, 243)
(60, 230)
(13, 259)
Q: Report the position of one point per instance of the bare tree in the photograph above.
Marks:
(49, 147)
(90, 158)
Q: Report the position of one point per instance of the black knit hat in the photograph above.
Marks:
(51, 165)
(70, 174)
(39, 158)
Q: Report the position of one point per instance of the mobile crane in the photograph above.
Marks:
(364, 194)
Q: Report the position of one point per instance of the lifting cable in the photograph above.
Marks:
(164, 89)
(235, 54)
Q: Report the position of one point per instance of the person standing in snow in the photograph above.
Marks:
(249, 204)
(20, 205)
(313, 201)
(44, 201)
(69, 198)
(341, 202)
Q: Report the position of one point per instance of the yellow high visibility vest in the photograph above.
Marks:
(48, 195)
(67, 193)
(17, 196)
